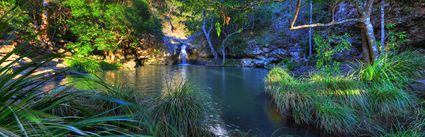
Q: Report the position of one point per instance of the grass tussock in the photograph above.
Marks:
(333, 117)
(374, 98)
(388, 99)
(182, 110)
(395, 68)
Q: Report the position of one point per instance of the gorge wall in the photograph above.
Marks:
(269, 41)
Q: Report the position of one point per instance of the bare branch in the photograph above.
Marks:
(323, 25)
(333, 22)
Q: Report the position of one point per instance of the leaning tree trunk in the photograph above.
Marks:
(213, 52)
(223, 45)
(207, 34)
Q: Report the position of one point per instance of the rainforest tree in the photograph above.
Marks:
(107, 25)
(226, 18)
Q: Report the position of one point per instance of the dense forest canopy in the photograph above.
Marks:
(191, 68)
(104, 27)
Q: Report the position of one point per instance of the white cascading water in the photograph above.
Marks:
(183, 55)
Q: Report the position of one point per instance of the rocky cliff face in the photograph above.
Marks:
(409, 16)
(273, 44)
(270, 42)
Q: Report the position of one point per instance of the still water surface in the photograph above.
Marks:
(238, 92)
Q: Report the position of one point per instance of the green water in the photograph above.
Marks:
(238, 92)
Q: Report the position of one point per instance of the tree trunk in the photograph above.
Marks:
(310, 33)
(365, 46)
(223, 46)
(213, 52)
(207, 36)
(223, 53)
(383, 26)
(370, 39)
(44, 36)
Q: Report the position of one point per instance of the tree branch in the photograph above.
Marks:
(369, 6)
(333, 22)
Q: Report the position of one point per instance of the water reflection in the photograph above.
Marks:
(239, 93)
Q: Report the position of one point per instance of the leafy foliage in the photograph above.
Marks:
(395, 39)
(105, 26)
(28, 111)
(182, 111)
(83, 64)
(325, 51)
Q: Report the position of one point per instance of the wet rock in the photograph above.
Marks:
(265, 49)
(296, 52)
(247, 62)
(303, 70)
(278, 53)
(348, 55)
(130, 64)
(61, 65)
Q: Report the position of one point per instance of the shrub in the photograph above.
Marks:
(326, 51)
(397, 68)
(83, 64)
(26, 110)
(182, 110)
(108, 66)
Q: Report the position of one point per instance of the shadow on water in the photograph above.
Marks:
(239, 94)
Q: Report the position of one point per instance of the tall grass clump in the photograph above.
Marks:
(27, 110)
(342, 89)
(387, 99)
(117, 99)
(182, 110)
(396, 68)
(278, 77)
(332, 117)
(372, 101)
(290, 95)
(297, 100)
(325, 101)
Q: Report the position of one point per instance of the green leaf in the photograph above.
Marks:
(218, 28)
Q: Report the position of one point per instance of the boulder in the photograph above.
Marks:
(130, 64)
(247, 62)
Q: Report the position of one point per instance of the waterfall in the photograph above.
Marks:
(183, 55)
